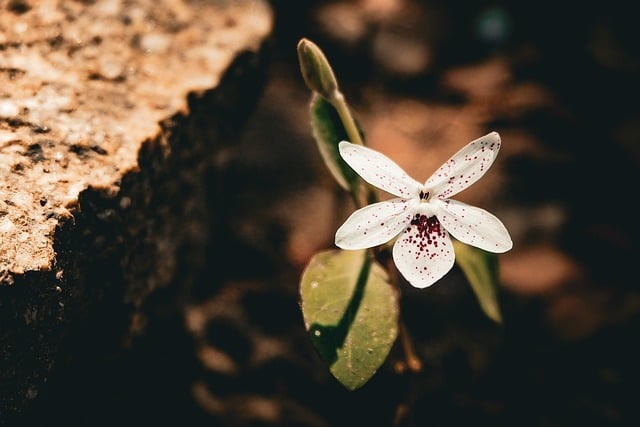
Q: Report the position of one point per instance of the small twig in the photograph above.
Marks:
(411, 358)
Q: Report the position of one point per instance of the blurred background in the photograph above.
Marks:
(559, 82)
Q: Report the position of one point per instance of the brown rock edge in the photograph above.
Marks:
(111, 118)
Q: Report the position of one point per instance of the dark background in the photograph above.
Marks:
(560, 84)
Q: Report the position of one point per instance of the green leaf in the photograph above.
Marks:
(481, 269)
(351, 313)
(328, 131)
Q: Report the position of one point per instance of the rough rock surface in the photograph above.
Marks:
(111, 116)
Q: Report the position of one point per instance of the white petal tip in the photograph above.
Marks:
(346, 244)
(490, 138)
(422, 285)
(506, 248)
(420, 281)
(499, 248)
(492, 135)
(339, 242)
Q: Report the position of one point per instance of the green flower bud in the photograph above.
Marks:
(316, 71)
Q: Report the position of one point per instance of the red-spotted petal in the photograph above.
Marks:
(374, 224)
(465, 167)
(424, 252)
(377, 169)
(473, 226)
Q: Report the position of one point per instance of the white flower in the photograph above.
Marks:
(423, 216)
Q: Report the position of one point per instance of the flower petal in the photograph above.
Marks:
(465, 167)
(424, 252)
(379, 170)
(374, 224)
(474, 226)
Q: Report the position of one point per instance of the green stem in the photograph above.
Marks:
(411, 360)
(348, 122)
(362, 193)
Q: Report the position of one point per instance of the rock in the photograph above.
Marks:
(111, 116)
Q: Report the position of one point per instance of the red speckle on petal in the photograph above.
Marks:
(427, 234)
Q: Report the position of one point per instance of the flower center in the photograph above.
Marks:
(428, 227)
